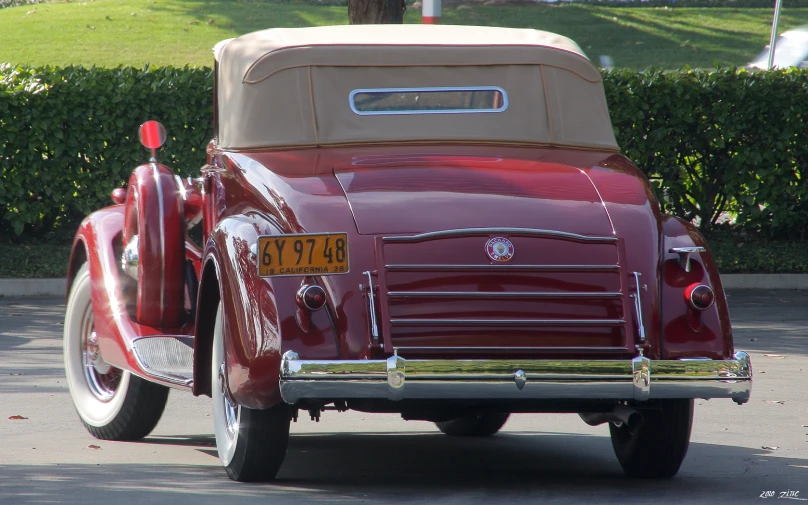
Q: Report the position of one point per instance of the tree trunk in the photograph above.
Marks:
(366, 12)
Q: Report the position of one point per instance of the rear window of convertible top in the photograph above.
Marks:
(440, 100)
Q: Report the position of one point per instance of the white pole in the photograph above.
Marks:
(773, 39)
(430, 12)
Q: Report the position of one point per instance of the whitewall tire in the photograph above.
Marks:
(251, 443)
(112, 404)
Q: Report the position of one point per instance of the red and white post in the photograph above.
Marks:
(430, 12)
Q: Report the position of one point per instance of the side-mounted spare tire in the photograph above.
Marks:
(112, 403)
(154, 246)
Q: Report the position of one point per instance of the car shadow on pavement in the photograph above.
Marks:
(418, 468)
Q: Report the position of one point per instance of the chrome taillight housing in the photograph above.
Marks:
(311, 296)
(699, 296)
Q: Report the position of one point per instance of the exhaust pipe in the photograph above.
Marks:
(621, 414)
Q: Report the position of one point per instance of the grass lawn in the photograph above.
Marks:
(181, 32)
(110, 33)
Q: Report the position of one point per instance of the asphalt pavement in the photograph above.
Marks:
(738, 454)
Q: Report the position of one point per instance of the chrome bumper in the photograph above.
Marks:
(496, 379)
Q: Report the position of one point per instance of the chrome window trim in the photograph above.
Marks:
(503, 108)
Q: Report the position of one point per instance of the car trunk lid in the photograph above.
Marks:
(555, 286)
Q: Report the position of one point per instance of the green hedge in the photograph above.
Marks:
(725, 148)
(68, 136)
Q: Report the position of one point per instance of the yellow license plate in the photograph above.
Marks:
(304, 254)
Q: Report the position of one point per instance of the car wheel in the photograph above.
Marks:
(251, 443)
(112, 403)
(483, 424)
(657, 447)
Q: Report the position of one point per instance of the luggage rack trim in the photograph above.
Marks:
(498, 231)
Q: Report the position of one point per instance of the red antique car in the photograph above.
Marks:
(428, 220)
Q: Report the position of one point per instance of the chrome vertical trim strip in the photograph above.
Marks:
(374, 328)
(181, 187)
(156, 174)
(638, 306)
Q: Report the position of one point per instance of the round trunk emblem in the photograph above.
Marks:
(499, 249)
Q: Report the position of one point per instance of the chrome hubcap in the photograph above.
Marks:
(102, 379)
(94, 354)
(230, 408)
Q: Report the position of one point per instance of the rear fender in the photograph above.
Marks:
(78, 256)
(688, 333)
(98, 242)
(261, 316)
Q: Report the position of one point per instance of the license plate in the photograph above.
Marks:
(304, 254)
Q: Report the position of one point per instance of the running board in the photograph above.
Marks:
(166, 357)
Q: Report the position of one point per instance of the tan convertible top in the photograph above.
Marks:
(293, 86)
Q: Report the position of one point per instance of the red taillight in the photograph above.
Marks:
(699, 296)
(311, 296)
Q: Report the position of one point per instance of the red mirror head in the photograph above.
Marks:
(152, 134)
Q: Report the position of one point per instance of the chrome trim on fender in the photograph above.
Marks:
(496, 379)
(181, 187)
(462, 232)
(166, 357)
